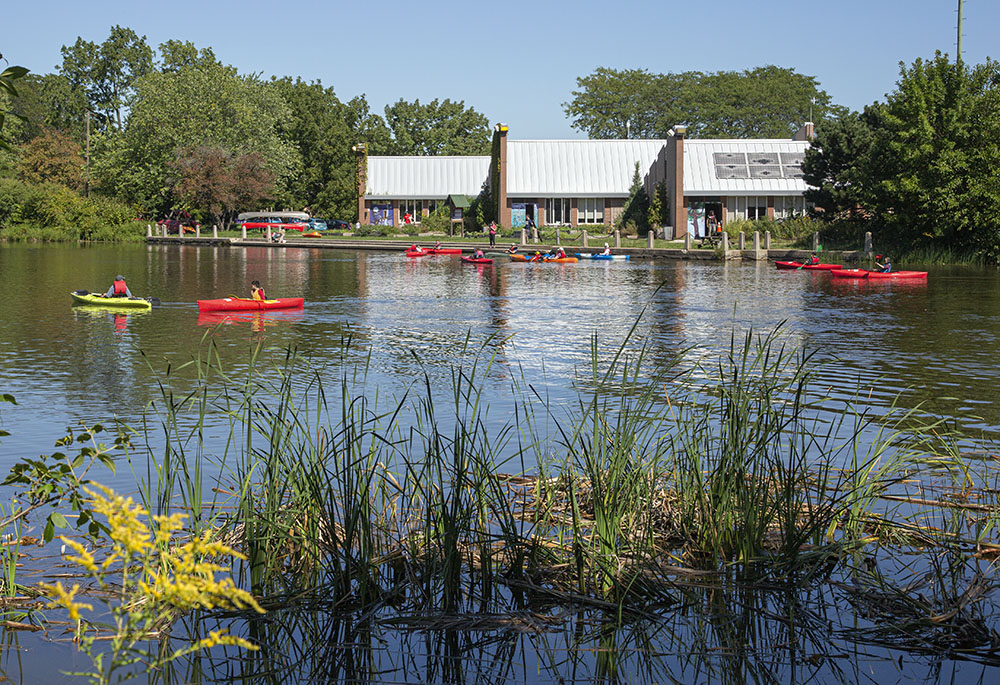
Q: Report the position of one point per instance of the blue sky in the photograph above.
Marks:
(517, 61)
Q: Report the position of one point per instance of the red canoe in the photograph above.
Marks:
(809, 267)
(879, 275)
(245, 304)
(474, 260)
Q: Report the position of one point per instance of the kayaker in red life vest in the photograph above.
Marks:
(118, 288)
(479, 255)
(814, 259)
(257, 292)
(512, 249)
(416, 248)
(437, 245)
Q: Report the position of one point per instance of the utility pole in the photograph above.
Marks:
(86, 180)
(958, 59)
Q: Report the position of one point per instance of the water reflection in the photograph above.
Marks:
(66, 365)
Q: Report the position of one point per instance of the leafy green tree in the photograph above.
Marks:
(636, 211)
(193, 107)
(831, 165)
(49, 102)
(8, 77)
(369, 128)
(176, 54)
(769, 102)
(52, 157)
(933, 170)
(108, 73)
(659, 206)
(437, 128)
(320, 128)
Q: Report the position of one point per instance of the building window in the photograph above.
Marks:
(412, 207)
(557, 211)
(790, 206)
(590, 210)
(747, 208)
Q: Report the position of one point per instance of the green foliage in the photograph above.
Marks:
(49, 102)
(108, 73)
(796, 229)
(51, 157)
(207, 106)
(8, 90)
(831, 164)
(933, 171)
(438, 221)
(176, 55)
(765, 102)
(635, 215)
(53, 212)
(659, 207)
(57, 480)
(437, 128)
(320, 127)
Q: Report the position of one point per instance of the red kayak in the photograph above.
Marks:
(414, 254)
(444, 250)
(245, 304)
(477, 260)
(807, 267)
(879, 275)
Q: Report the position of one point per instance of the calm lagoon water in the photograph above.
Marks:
(932, 345)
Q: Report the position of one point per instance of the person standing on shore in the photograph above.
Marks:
(493, 233)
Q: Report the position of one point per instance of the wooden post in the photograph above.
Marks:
(618, 238)
(197, 230)
(524, 236)
(687, 242)
(215, 231)
(584, 237)
(725, 245)
(650, 237)
(756, 245)
(243, 231)
(743, 240)
(149, 231)
(868, 243)
(767, 240)
(815, 241)
(164, 229)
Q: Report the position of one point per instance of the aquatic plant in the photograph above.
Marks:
(157, 579)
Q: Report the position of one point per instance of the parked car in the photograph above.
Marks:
(317, 225)
(338, 225)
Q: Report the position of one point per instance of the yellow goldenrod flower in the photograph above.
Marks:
(84, 557)
(61, 597)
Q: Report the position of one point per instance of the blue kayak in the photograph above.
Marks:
(606, 257)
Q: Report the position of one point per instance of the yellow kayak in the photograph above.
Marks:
(84, 297)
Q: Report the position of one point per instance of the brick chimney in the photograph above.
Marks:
(807, 132)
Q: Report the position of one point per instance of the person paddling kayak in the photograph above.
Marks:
(118, 288)
(257, 292)
(814, 259)
(886, 267)
(607, 250)
(512, 249)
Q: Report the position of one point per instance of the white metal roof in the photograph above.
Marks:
(425, 178)
(701, 177)
(577, 168)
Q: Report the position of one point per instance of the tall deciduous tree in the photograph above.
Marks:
(177, 54)
(437, 128)
(831, 168)
(319, 126)
(766, 102)
(108, 73)
(933, 170)
(49, 102)
(194, 107)
(52, 157)
(213, 183)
